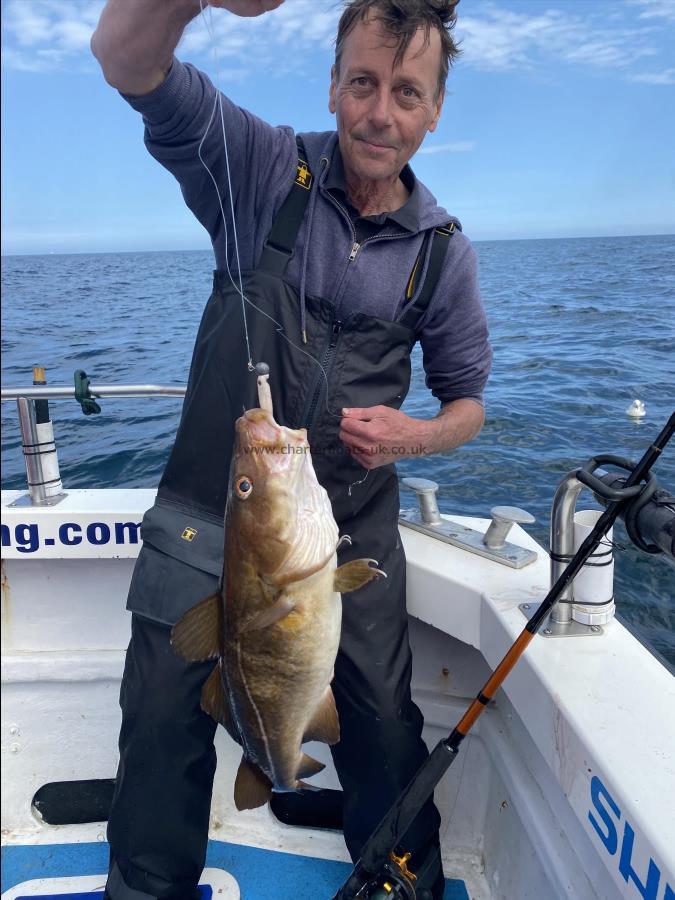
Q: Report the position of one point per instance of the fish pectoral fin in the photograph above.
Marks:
(215, 703)
(309, 767)
(272, 614)
(324, 725)
(351, 576)
(196, 636)
(252, 788)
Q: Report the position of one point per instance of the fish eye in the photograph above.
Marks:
(243, 486)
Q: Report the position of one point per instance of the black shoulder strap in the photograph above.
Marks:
(281, 240)
(440, 240)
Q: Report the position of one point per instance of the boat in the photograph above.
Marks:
(563, 789)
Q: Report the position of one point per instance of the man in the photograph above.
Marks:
(342, 257)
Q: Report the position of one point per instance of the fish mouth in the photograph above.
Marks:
(259, 427)
(282, 456)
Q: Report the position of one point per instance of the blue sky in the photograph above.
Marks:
(559, 120)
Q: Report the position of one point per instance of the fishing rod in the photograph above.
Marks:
(380, 873)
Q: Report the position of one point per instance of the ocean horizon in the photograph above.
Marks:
(207, 248)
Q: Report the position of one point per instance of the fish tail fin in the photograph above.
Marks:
(252, 788)
(309, 767)
(196, 636)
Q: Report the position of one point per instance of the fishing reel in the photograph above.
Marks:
(649, 514)
(393, 882)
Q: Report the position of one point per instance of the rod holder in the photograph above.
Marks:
(43, 488)
(562, 542)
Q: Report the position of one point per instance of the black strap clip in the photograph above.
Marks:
(82, 394)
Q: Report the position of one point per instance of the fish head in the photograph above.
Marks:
(280, 514)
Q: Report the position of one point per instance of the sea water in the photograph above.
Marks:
(580, 328)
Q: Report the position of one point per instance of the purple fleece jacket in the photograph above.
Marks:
(182, 113)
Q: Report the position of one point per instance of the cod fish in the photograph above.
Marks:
(274, 624)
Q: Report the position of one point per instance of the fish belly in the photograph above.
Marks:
(277, 677)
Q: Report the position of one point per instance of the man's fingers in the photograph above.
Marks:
(355, 427)
(246, 8)
(358, 414)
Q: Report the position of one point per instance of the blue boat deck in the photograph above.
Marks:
(261, 874)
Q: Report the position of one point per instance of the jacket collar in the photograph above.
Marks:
(407, 216)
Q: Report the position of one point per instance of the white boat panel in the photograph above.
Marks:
(86, 524)
(600, 710)
(561, 790)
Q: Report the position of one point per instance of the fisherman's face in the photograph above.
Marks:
(383, 113)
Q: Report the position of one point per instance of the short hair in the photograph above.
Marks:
(402, 19)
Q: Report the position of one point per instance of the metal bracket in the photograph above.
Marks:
(491, 545)
(551, 629)
(27, 500)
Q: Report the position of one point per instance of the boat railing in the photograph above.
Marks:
(37, 434)
(652, 529)
(52, 392)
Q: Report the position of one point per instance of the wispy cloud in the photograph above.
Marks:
(298, 25)
(500, 39)
(454, 147)
(39, 35)
(44, 35)
(655, 9)
(667, 76)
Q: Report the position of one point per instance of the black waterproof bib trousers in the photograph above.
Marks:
(158, 826)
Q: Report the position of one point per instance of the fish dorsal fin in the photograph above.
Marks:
(196, 636)
(324, 725)
(351, 576)
(309, 767)
(215, 702)
(252, 788)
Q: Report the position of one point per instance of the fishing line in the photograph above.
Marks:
(218, 105)
(460, 782)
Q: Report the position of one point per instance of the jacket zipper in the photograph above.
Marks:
(356, 246)
(326, 360)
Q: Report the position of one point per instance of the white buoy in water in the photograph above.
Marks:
(636, 410)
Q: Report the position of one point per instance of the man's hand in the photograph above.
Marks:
(379, 435)
(135, 39)
(245, 7)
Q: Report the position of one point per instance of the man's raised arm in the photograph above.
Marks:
(135, 39)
